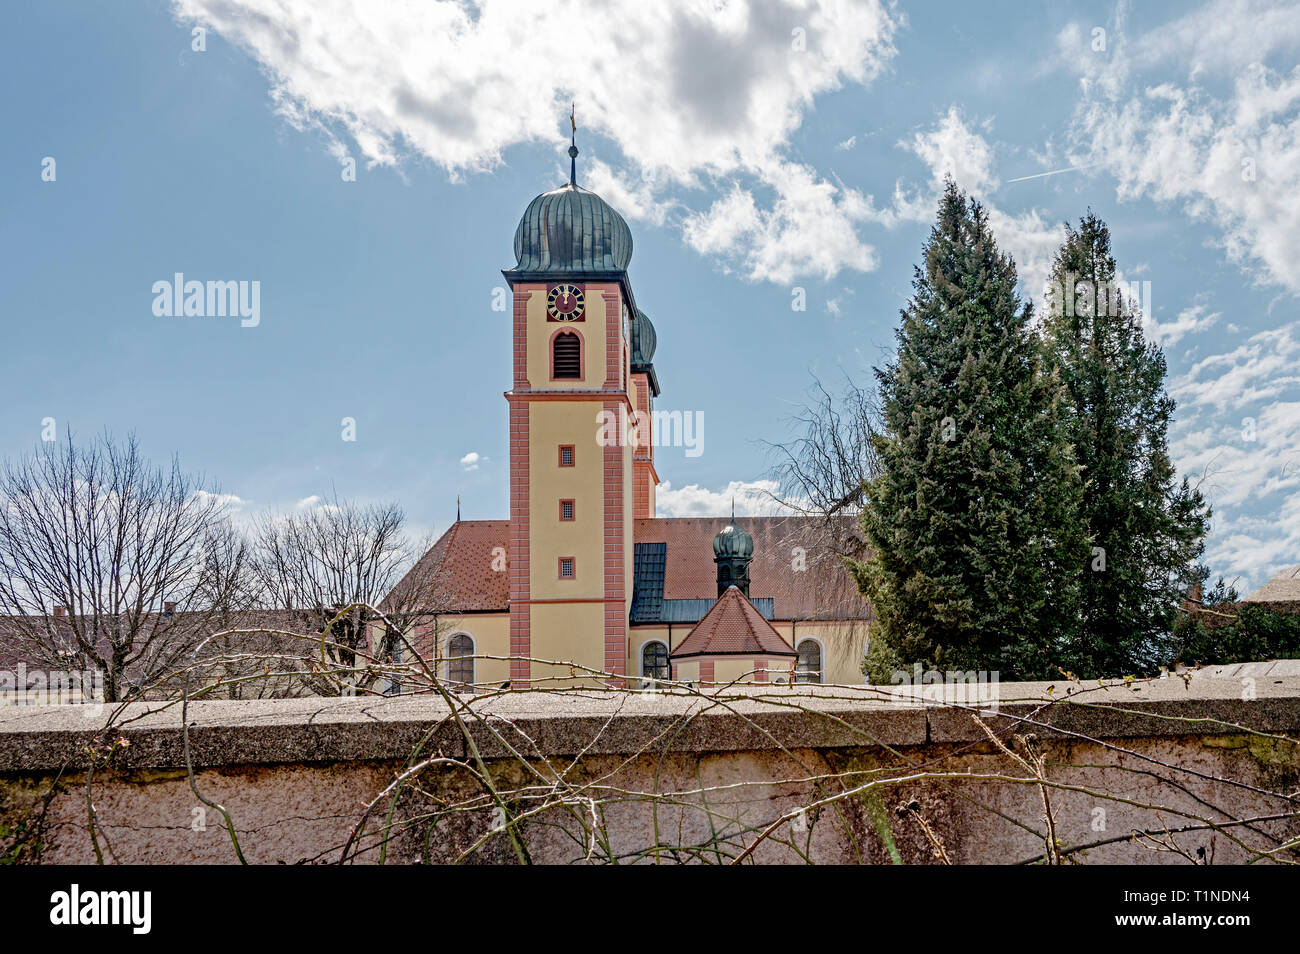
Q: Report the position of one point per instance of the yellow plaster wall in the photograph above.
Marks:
(688, 670)
(571, 631)
(732, 669)
(575, 632)
(491, 632)
(566, 632)
(550, 424)
(843, 643)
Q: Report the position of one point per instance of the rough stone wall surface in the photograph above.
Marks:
(687, 779)
(291, 814)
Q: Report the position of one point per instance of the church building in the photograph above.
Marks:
(583, 582)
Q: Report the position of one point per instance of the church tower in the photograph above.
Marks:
(582, 368)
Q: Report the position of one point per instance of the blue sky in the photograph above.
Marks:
(753, 151)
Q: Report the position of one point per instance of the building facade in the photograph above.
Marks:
(583, 582)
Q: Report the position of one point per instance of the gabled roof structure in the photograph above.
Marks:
(733, 627)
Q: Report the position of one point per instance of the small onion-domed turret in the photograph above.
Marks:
(733, 541)
(733, 548)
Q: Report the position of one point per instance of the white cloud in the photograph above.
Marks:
(1191, 320)
(835, 305)
(1219, 37)
(690, 94)
(1254, 549)
(1241, 443)
(953, 149)
(847, 144)
(1264, 367)
(1232, 160)
(1031, 241)
(472, 460)
(316, 502)
(752, 498)
(644, 201)
(1244, 457)
(811, 228)
(231, 502)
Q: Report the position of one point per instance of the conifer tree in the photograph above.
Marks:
(976, 548)
(1147, 527)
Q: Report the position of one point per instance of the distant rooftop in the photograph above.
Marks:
(1282, 588)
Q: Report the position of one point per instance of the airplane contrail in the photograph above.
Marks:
(1054, 172)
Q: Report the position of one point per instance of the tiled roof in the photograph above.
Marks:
(1284, 587)
(458, 570)
(802, 578)
(733, 627)
(822, 589)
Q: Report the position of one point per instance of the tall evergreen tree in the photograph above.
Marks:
(976, 547)
(1147, 526)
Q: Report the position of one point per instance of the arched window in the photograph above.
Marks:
(654, 661)
(460, 660)
(566, 355)
(393, 650)
(808, 668)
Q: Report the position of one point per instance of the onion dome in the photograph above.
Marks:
(733, 542)
(644, 341)
(570, 231)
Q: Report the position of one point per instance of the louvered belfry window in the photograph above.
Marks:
(567, 357)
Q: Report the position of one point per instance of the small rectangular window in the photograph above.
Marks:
(566, 509)
(566, 568)
(566, 455)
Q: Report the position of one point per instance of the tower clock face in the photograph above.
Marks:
(565, 303)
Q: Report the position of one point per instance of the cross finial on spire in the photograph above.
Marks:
(458, 508)
(573, 145)
(733, 509)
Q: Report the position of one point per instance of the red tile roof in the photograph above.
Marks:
(733, 627)
(822, 589)
(457, 571)
(460, 566)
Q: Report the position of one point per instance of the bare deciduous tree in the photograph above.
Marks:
(327, 567)
(820, 472)
(105, 563)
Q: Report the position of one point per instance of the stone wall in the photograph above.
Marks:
(1202, 764)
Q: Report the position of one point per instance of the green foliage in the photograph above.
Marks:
(1222, 593)
(23, 820)
(972, 522)
(881, 662)
(1257, 633)
(1150, 525)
